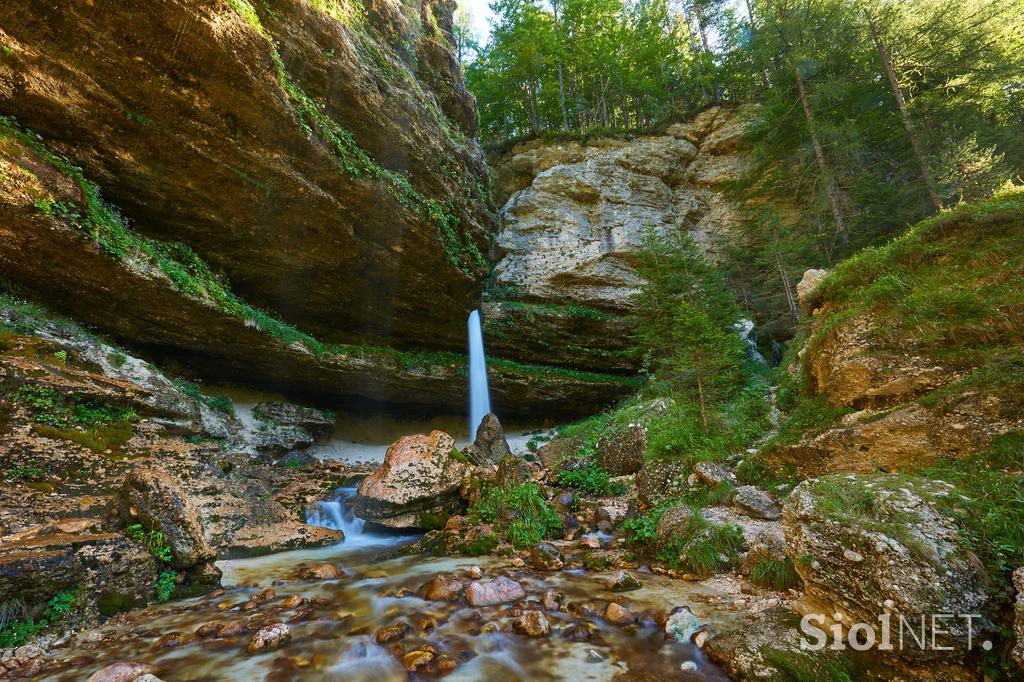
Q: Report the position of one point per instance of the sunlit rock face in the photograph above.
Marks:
(574, 217)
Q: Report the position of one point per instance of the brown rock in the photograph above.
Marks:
(122, 671)
(489, 446)
(499, 590)
(445, 665)
(552, 601)
(269, 637)
(231, 629)
(443, 588)
(324, 572)
(415, 660)
(546, 557)
(391, 633)
(418, 481)
(532, 624)
(156, 501)
(208, 630)
(806, 286)
(617, 614)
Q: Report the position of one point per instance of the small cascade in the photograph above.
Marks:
(479, 395)
(745, 329)
(338, 513)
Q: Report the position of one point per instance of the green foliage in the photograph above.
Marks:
(151, 539)
(219, 403)
(588, 478)
(165, 585)
(991, 520)
(15, 629)
(794, 666)
(702, 548)
(519, 514)
(622, 65)
(61, 411)
(774, 574)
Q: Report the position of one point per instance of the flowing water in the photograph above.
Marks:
(479, 395)
(333, 633)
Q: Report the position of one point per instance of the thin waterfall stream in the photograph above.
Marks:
(479, 394)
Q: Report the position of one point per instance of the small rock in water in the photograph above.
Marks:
(443, 588)
(445, 664)
(532, 624)
(122, 671)
(591, 542)
(325, 572)
(474, 572)
(593, 656)
(518, 563)
(414, 660)
(391, 633)
(269, 637)
(546, 557)
(265, 595)
(681, 623)
(552, 601)
(688, 667)
(148, 677)
(701, 636)
(618, 614)
(620, 581)
(497, 591)
(208, 630)
(577, 632)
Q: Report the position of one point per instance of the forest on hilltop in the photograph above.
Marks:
(872, 115)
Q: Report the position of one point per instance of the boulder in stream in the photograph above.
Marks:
(500, 590)
(417, 486)
(269, 637)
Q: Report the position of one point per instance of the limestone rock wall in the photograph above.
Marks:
(574, 215)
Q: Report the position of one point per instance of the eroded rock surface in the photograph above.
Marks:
(417, 486)
(901, 555)
(574, 216)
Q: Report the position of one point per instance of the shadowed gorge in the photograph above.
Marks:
(524, 341)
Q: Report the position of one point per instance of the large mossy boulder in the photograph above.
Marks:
(866, 545)
(417, 486)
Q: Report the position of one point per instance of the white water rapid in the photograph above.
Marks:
(479, 395)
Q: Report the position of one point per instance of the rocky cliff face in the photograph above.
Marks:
(574, 216)
(293, 146)
(291, 194)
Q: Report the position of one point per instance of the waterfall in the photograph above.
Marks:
(479, 396)
(745, 329)
(336, 513)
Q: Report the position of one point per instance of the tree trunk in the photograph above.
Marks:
(819, 156)
(703, 404)
(561, 97)
(901, 104)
